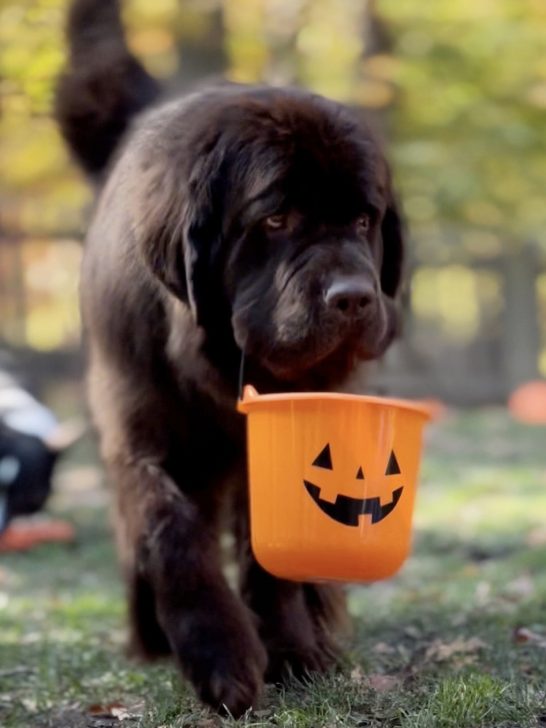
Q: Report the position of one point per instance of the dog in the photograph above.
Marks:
(237, 221)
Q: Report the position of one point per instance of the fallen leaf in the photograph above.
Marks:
(440, 651)
(463, 661)
(383, 683)
(125, 714)
(357, 675)
(116, 711)
(382, 648)
(523, 586)
(522, 635)
(98, 710)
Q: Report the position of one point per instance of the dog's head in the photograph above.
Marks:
(280, 219)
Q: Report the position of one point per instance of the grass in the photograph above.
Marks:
(458, 639)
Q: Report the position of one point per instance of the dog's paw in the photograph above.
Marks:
(227, 671)
(298, 661)
(236, 691)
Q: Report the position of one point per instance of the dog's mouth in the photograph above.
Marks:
(347, 510)
(329, 360)
(320, 349)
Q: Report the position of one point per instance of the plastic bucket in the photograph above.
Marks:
(332, 483)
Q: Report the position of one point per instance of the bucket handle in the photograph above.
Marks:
(241, 374)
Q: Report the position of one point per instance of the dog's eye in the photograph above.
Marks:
(363, 223)
(275, 222)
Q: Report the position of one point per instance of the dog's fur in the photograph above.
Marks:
(224, 224)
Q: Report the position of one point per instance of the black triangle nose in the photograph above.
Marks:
(349, 295)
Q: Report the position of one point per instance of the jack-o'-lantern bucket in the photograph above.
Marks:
(332, 483)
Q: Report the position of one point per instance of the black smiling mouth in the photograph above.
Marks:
(348, 510)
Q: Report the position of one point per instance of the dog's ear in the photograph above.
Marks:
(393, 235)
(202, 238)
(180, 225)
(163, 251)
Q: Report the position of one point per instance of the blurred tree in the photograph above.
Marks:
(468, 120)
(469, 138)
(40, 191)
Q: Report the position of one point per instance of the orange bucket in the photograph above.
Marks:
(332, 483)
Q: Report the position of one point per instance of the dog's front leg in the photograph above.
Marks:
(170, 553)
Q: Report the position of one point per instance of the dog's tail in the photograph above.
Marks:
(103, 87)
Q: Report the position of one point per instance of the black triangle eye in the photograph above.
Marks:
(324, 458)
(360, 474)
(392, 468)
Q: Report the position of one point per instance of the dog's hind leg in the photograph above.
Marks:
(327, 606)
(299, 623)
(147, 640)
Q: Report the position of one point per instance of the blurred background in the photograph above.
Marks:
(459, 92)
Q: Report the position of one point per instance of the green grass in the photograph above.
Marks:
(435, 647)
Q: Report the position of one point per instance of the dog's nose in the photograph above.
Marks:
(349, 295)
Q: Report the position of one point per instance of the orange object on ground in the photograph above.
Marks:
(527, 403)
(332, 483)
(437, 409)
(22, 536)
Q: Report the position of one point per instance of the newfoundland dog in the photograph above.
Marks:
(235, 221)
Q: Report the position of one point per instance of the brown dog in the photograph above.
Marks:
(255, 220)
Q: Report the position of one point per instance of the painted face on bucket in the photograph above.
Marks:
(348, 510)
